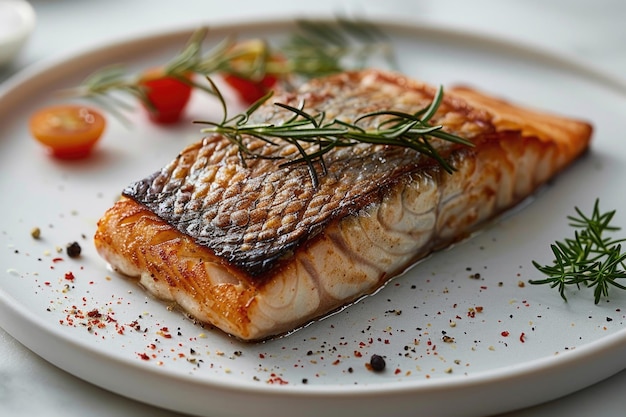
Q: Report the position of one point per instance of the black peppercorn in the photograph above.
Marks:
(73, 250)
(377, 363)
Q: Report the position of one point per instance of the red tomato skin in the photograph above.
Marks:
(169, 97)
(78, 152)
(250, 91)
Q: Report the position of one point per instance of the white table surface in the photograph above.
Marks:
(591, 30)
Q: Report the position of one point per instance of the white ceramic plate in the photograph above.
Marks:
(460, 333)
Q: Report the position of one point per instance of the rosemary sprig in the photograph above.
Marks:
(589, 259)
(314, 136)
(315, 48)
(320, 48)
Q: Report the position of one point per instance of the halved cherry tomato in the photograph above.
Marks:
(168, 96)
(248, 54)
(68, 131)
(250, 91)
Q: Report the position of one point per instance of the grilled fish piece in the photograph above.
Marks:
(257, 250)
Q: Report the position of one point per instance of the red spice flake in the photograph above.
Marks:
(94, 313)
(522, 337)
(47, 283)
(143, 356)
(397, 371)
(471, 312)
(275, 379)
(69, 276)
(261, 356)
(164, 333)
(357, 354)
(55, 260)
(505, 334)
(336, 362)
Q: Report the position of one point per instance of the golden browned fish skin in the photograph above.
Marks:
(257, 250)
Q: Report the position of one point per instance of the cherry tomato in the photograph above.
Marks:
(168, 95)
(68, 131)
(248, 54)
(250, 91)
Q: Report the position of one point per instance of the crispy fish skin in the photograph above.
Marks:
(258, 251)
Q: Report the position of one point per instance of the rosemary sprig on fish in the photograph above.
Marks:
(314, 136)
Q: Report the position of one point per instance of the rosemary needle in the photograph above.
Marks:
(588, 259)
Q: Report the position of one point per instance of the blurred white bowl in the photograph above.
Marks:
(17, 22)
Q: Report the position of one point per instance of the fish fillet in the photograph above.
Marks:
(257, 250)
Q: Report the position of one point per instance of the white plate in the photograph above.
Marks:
(470, 293)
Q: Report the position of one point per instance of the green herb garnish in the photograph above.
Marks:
(315, 48)
(321, 48)
(314, 136)
(589, 259)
